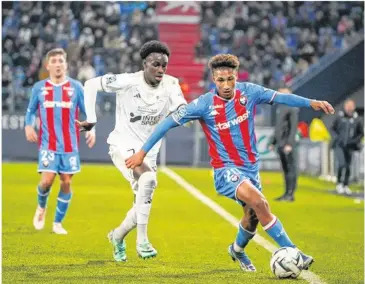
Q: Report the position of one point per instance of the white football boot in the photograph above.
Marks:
(58, 229)
(39, 218)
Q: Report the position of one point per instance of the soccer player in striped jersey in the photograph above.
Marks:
(57, 100)
(226, 116)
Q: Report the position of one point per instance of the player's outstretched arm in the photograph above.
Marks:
(160, 131)
(298, 101)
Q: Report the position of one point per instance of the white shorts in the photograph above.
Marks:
(118, 157)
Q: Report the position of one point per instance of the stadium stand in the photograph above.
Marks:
(275, 41)
(99, 37)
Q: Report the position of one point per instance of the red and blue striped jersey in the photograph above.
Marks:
(58, 107)
(229, 124)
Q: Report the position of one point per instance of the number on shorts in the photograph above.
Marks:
(47, 156)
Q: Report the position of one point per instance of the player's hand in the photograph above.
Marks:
(135, 160)
(90, 138)
(271, 147)
(85, 126)
(287, 149)
(30, 134)
(322, 105)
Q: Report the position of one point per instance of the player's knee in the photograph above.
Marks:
(66, 185)
(46, 182)
(260, 205)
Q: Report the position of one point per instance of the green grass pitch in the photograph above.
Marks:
(191, 239)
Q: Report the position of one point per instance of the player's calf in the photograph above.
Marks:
(63, 202)
(146, 186)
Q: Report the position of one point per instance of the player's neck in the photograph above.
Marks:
(153, 85)
(226, 98)
(57, 81)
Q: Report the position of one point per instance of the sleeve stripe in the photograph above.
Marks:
(101, 82)
(273, 97)
(175, 119)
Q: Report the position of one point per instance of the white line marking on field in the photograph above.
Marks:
(307, 275)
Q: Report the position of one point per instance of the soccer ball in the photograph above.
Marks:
(286, 262)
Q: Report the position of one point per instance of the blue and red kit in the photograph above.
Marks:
(57, 106)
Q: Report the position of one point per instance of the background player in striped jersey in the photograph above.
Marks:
(57, 100)
(143, 99)
(226, 116)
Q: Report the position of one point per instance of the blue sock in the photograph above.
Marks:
(243, 237)
(276, 230)
(43, 196)
(63, 201)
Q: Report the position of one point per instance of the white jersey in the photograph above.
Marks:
(140, 107)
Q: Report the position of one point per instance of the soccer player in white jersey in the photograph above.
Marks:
(143, 99)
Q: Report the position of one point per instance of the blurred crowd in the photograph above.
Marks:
(99, 37)
(276, 41)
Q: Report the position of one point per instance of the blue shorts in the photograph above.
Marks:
(227, 180)
(66, 163)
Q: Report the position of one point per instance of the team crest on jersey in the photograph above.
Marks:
(234, 178)
(45, 163)
(243, 100)
(69, 90)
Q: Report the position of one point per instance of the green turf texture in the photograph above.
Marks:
(191, 239)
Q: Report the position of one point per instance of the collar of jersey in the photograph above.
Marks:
(57, 85)
(223, 99)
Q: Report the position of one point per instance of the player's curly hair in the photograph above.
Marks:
(153, 46)
(224, 60)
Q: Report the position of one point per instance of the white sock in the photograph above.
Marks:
(146, 186)
(128, 224)
(236, 248)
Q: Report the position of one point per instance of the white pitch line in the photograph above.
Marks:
(306, 275)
